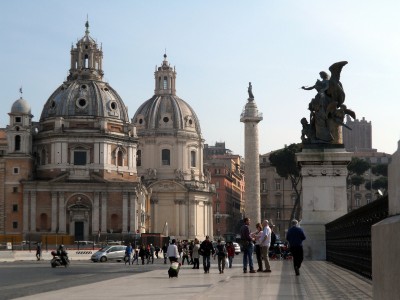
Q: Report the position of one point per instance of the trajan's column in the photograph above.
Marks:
(251, 117)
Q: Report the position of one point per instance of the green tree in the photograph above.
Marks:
(284, 161)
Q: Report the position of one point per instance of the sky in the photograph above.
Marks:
(217, 47)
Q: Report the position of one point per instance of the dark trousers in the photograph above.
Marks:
(196, 263)
(297, 252)
(259, 257)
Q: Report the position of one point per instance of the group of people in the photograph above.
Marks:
(144, 253)
(262, 239)
(223, 253)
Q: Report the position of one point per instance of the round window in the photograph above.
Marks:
(81, 103)
(83, 86)
(106, 89)
(113, 105)
(53, 104)
(166, 119)
(140, 121)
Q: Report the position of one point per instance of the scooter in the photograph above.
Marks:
(59, 259)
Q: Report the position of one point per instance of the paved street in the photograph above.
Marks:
(318, 280)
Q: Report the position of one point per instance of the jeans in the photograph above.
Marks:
(248, 256)
(221, 263)
(206, 262)
(230, 261)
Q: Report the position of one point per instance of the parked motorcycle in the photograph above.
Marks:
(59, 259)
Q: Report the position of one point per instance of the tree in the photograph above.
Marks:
(284, 161)
(381, 183)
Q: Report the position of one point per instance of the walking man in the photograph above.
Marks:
(295, 236)
(207, 249)
(248, 246)
(265, 243)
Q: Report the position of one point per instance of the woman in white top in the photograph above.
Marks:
(172, 252)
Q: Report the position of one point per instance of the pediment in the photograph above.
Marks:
(167, 186)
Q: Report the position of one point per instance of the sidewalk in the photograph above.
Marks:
(318, 280)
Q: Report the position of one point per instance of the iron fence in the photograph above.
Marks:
(348, 238)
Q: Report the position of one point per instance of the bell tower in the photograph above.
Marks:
(19, 133)
(165, 77)
(86, 59)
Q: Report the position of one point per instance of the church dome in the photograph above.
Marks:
(165, 111)
(85, 93)
(85, 98)
(21, 106)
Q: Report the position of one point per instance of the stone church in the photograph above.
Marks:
(86, 169)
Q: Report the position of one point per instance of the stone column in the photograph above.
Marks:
(53, 211)
(182, 217)
(154, 216)
(104, 212)
(124, 212)
(251, 117)
(324, 196)
(62, 213)
(33, 211)
(96, 213)
(177, 217)
(132, 212)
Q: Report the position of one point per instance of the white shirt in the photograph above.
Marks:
(172, 251)
(266, 237)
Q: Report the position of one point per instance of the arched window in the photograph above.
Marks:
(165, 157)
(17, 142)
(165, 82)
(120, 158)
(192, 158)
(86, 64)
(138, 158)
(43, 222)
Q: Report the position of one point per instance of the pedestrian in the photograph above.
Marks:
(257, 238)
(157, 249)
(195, 254)
(151, 254)
(142, 253)
(172, 252)
(128, 254)
(206, 249)
(295, 236)
(136, 256)
(185, 254)
(231, 253)
(265, 244)
(38, 250)
(248, 246)
(221, 254)
(164, 250)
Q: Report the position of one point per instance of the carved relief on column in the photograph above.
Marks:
(25, 208)
(54, 211)
(61, 212)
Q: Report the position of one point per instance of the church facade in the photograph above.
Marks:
(86, 169)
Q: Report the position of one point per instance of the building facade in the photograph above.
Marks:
(85, 169)
(227, 175)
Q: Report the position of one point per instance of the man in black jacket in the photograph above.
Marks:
(206, 249)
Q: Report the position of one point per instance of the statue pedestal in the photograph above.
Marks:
(324, 196)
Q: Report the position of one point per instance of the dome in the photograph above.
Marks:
(21, 106)
(166, 112)
(85, 98)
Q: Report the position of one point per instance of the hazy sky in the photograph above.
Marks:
(217, 47)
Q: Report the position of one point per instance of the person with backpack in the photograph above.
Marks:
(221, 254)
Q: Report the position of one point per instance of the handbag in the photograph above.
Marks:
(226, 261)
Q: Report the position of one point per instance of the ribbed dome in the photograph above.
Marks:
(21, 106)
(85, 98)
(166, 112)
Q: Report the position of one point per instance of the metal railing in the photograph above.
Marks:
(348, 238)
